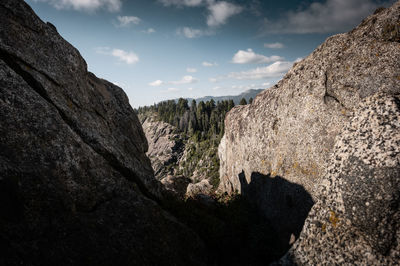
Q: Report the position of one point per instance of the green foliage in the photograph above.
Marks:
(243, 101)
(204, 120)
(233, 230)
(203, 125)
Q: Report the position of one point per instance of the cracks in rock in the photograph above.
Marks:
(327, 95)
(16, 58)
(14, 62)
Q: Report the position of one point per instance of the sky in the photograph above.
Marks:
(166, 49)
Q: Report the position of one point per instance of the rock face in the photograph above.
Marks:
(357, 217)
(203, 187)
(75, 184)
(289, 130)
(177, 184)
(171, 156)
(165, 146)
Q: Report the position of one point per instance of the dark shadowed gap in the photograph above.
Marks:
(284, 204)
(251, 228)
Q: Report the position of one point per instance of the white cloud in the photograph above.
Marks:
(85, 5)
(125, 21)
(275, 45)
(192, 33)
(156, 83)
(209, 64)
(185, 80)
(171, 90)
(327, 17)
(149, 31)
(181, 3)
(191, 70)
(249, 57)
(213, 80)
(220, 12)
(276, 69)
(216, 88)
(190, 89)
(126, 57)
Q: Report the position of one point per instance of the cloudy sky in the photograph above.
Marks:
(164, 49)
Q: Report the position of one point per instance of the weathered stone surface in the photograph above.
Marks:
(176, 184)
(290, 129)
(76, 187)
(59, 74)
(172, 158)
(203, 187)
(356, 220)
(165, 146)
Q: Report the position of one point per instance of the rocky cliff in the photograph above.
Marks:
(166, 148)
(75, 184)
(165, 145)
(278, 149)
(172, 157)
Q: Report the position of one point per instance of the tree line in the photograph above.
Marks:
(203, 120)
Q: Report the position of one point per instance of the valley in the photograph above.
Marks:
(305, 172)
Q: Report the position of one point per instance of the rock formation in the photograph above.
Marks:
(202, 187)
(165, 146)
(356, 219)
(170, 153)
(76, 187)
(290, 131)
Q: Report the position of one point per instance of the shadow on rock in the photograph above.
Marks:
(284, 204)
(246, 229)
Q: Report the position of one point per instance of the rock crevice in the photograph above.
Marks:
(15, 64)
(75, 184)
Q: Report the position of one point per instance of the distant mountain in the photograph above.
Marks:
(236, 98)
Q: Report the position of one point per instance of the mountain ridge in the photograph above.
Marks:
(252, 93)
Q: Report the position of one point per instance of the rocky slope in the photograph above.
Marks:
(166, 148)
(75, 184)
(171, 155)
(165, 145)
(278, 149)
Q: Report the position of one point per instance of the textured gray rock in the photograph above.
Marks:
(177, 184)
(290, 129)
(356, 220)
(172, 158)
(75, 184)
(287, 134)
(203, 187)
(56, 71)
(165, 146)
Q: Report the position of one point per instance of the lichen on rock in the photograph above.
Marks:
(358, 199)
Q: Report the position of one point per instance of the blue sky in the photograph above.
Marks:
(164, 49)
